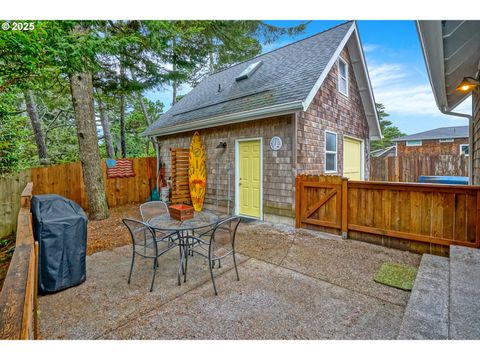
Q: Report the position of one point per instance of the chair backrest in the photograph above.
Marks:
(151, 209)
(143, 237)
(223, 234)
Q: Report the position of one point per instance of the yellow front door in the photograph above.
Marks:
(249, 178)
(352, 158)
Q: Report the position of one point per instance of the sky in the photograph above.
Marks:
(397, 73)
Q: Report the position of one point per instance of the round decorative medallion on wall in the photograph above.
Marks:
(276, 143)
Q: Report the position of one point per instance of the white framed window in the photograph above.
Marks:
(464, 149)
(414, 143)
(342, 77)
(330, 152)
(445, 140)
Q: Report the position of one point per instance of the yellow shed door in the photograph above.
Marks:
(352, 159)
(249, 178)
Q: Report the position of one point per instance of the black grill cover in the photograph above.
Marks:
(60, 227)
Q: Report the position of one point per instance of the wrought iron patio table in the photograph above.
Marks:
(202, 221)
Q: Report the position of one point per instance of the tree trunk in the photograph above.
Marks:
(82, 96)
(140, 100)
(123, 144)
(211, 62)
(107, 136)
(37, 128)
(174, 70)
(144, 109)
(174, 93)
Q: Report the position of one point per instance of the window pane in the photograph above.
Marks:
(342, 68)
(331, 142)
(414, 143)
(330, 162)
(342, 85)
(464, 150)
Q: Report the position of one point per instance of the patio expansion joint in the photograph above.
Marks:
(154, 308)
(290, 245)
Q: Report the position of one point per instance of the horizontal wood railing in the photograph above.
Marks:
(415, 216)
(18, 298)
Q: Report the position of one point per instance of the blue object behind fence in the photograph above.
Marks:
(451, 180)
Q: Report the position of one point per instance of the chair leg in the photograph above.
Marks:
(180, 266)
(186, 265)
(131, 267)
(235, 264)
(213, 280)
(155, 262)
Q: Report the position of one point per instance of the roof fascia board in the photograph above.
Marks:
(364, 83)
(328, 67)
(365, 86)
(431, 42)
(228, 119)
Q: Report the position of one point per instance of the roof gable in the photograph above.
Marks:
(286, 82)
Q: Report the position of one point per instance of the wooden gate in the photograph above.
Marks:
(410, 216)
(321, 201)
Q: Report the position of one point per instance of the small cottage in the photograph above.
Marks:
(304, 108)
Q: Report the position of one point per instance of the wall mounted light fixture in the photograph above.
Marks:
(467, 84)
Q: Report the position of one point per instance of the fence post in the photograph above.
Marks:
(344, 208)
(297, 201)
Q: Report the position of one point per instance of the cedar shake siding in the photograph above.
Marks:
(225, 109)
(431, 147)
(476, 135)
(278, 177)
(333, 111)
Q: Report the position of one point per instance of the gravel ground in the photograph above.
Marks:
(111, 233)
(295, 284)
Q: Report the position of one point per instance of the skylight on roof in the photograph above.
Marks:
(245, 74)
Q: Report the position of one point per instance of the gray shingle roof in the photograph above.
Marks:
(287, 74)
(451, 132)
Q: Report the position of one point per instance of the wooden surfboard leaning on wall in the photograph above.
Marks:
(197, 172)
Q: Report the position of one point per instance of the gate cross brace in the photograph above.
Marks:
(321, 202)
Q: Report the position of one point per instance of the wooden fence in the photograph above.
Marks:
(18, 298)
(11, 188)
(408, 169)
(67, 180)
(416, 217)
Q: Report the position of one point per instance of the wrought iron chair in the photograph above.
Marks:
(144, 238)
(151, 209)
(220, 243)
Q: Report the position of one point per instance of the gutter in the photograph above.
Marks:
(470, 139)
(228, 119)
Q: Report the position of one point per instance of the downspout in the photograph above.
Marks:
(470, 139)
(294, 157)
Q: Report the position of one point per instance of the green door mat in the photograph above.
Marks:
(396, 275)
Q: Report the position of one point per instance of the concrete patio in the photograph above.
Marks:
(295, 284)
